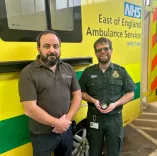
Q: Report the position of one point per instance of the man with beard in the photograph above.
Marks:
(106, 87)
(45, 88)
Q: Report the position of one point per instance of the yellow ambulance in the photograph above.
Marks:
(79, 23)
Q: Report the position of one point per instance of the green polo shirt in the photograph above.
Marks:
(108, 86)
(51, 90)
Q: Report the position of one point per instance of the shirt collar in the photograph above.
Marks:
(96, 67)
(111, 65)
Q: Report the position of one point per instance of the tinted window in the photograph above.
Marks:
(26, 18)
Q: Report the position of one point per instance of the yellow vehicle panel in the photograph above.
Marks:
(98, 18)
(152, 62)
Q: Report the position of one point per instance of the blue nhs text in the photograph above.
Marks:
(132, 10)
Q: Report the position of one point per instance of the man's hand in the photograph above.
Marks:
(61, 125)
(97, 104)
(110, 108)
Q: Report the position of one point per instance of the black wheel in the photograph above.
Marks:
(80, 142)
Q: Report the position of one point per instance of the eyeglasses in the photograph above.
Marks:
(106, 49)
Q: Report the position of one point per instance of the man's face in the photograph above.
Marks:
(49, 49)
(103, 53)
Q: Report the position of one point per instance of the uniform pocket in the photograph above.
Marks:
(118, 119)
(94, 87)
(93, 83)
(115, 86)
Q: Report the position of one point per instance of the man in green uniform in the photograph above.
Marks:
(106, 87)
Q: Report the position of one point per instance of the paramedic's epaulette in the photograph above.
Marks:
(92, 66)
(117, 65)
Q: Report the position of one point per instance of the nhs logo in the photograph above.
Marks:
(132, 10)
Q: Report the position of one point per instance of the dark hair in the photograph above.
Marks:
(102, 40)
(44, 33)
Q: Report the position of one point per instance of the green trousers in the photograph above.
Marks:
(110, 128)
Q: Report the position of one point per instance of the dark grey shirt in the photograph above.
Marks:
(51, 90)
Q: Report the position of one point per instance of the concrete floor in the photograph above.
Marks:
(135, 144)
(140, 137)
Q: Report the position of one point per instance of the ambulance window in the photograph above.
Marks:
(61, 15)
(26, 18)
(2, 12)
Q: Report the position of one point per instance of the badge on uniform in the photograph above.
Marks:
(115, 74)
(103, 105)
(94, 124)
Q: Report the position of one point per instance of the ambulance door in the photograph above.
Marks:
(152, 54)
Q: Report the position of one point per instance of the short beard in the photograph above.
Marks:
(49, 60)
(103, 61)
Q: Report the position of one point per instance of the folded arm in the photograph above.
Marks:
(32, 110)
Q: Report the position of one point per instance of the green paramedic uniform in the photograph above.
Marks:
(108, 86)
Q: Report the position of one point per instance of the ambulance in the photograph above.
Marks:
(149, 53)
(79, 23)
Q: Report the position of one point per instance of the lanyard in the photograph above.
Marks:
(94, 118)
